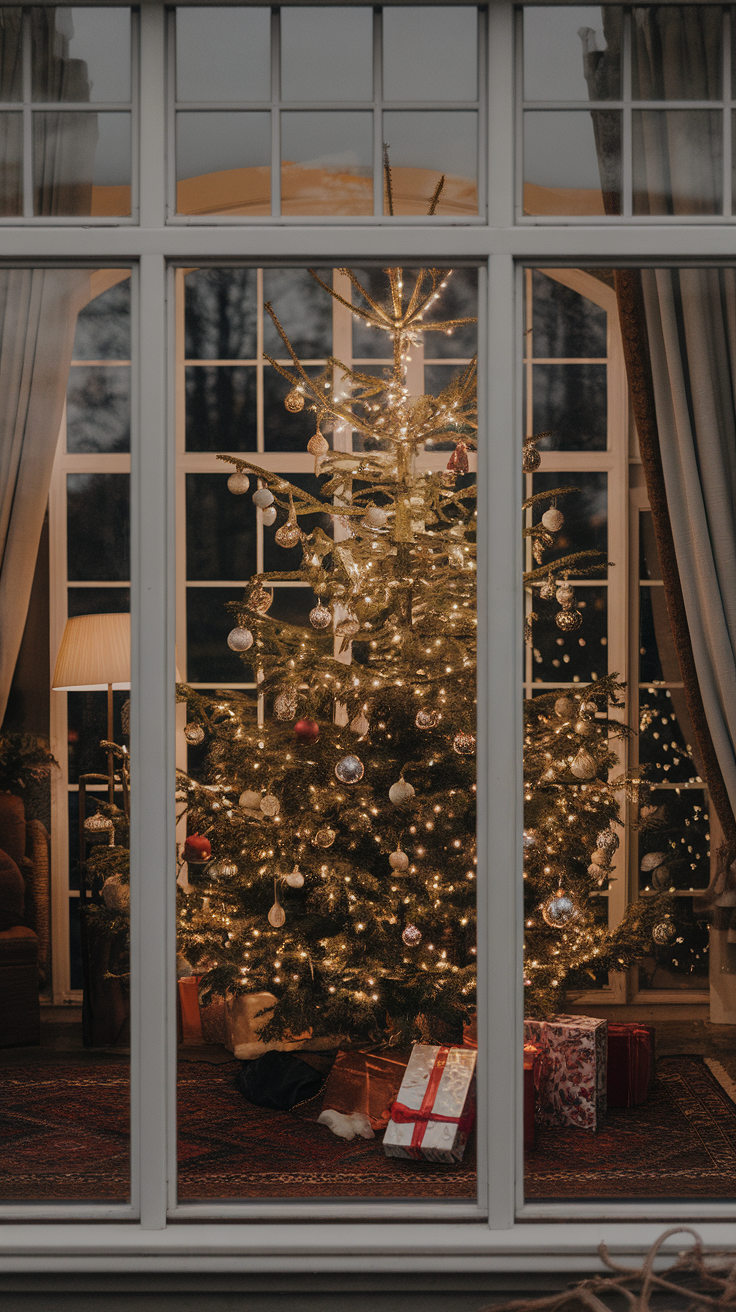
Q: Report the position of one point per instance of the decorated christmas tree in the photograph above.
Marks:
(331, 848)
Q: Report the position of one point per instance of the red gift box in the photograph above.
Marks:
(630, 1063)
(534, 1072)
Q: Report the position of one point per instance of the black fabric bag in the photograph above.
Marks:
(277, 1079)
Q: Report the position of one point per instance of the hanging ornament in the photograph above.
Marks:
(98, 824)
(564, 708)
(553, 519)
(565, 594)
(318, 446)
(194, 733)
(320, 616)
(269, 516)
(664, 933)
(458, 462)
(427, 719)
(600, 857)
(398, 860)
(115, 893)
(608, 840)
(401, 792)
(530, 458)
(412, 936)
(277, 915)
(375, 517)
(295, 879)
(270, 804)
(661, 877)
(560, 909)
(262, 498)
(260, 600)
(568, 620)
(360, 725)
(197, 849)
(584, 766)
(294, 401)
(350, 770)
(306, 731)
(547, 590)
(464, 744)
(325, 837)
(584, 728)
(652, 860)
(284, 706)
(250, 800)
(588, 708)
(290, 533)
(239, 639)
(347, 627)
(238, 483)
(549, 775)
(456, 556)
(530, 837)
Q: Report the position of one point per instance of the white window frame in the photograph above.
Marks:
(513, 1237)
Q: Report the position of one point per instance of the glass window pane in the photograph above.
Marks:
(283, 431)
(326, 162)
(565, 323)
(581, 656)
(81, 163)
(10, 64)
(585, 512)
(221, 408)
(675, 828)
(677, 52)
(81, 53)
(223, 163)
(566, 45)
(98, 526)
(223, 53)
(221, 530)
(220, 314)
(430, 53)
(209, 659)
(563, 169)
(103, 325)
(662, 745)
(422, 146)
(11, 164)
(98, 409)
(677, 161)
(327, 53)
(571, 402)
(304, 310)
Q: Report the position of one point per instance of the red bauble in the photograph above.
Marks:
(197, 849)
(307, 731)
(458, 462)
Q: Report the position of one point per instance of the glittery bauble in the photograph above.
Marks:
(553, 519)
(294, 401)
(238, 484)
(427, 719)
(250, 800)
(295, 879)
(262, 498)
(260, 600)
(277, 915)
(228, 870)
(320, 617)
(588, 708)
(289, 534)
(664, 933)
(325, 837)
(240, 639)
(559, 909)
(568, 620)
(530, 837)
(306, 731)
(350, 770)
(318, 445)
(269, 516)
(270, 804)
(608, 840)
(599, 857)
(197, 849)
(412, 936)
(375, 517)
(398, 860)
(584, 765)
(284, 706)
(565, 594)
(652, 860)
(464, 744)
(98, 824)
(115, 894)
(564, 708)
(194, 733)
(347, 627)
(400, 793)
(530, 458)
(547, 590)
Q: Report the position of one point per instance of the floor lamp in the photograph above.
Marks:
(94, 656)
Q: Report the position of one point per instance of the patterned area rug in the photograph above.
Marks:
(680, 1143)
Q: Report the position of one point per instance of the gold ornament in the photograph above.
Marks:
(277, 915)
(228, 870)
(270, 804)
(289, 533)
(412, 936)
(284, 707)
(564, 708)
(401, 792)
(250, 800)
(348, 627)
(599, 857)
(547, 590)
(375, 517)
(584, 765)
(238, 483)
(360, 725)
(260, 600)
(608, 840)
(652, 860)
(320, 616)
(530, 458)
(98, 824)
(584, 728)
(565, 594)
(398, 860)
(427, 719)
(294, 401)
(664, 933)
(325, 837)
(194, 734)
(568, 620)
(464, 744)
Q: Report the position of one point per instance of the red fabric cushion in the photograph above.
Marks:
(12, 892)
(12, 826)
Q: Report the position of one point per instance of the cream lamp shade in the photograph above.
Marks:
(94, 653)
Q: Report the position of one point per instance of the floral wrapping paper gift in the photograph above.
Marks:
(435, 1110)
(573, 1090)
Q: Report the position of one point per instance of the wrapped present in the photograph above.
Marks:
(630, 1063)
(199, 1024)
(573, 1086)
(435, 1110)
(364, 1082)
(247, 1013)
(535, 1068)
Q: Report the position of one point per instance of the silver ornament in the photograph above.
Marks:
(568, 620)
(238, 483)
(250, 800)
(564, 708)
(240, 639)
(228, 870)
(284, 707)
(98, 823)
(427, 719)
(269, 516)
(262, 498)
(584, 766)
(652, 860)
(288, 535)
(375, 517)
(560, 909)
(270, 804)
(464, 744)
(194, 733)
(664, 933)
(401, 792)
(553, 519)
(412, 936)
(295, 879)
(350, 770)
(565, 594)
(325, 837)
(398, 860)
(320, 616)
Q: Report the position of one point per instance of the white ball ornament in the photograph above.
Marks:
(553, 519)
(238, 484)
(239, 639)
(270, 804)
(262, 498)
(375, 517)
(401, 792)
(564, 708)
(295, 879)
(269, 516)
(250, 800)
(398, 860)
